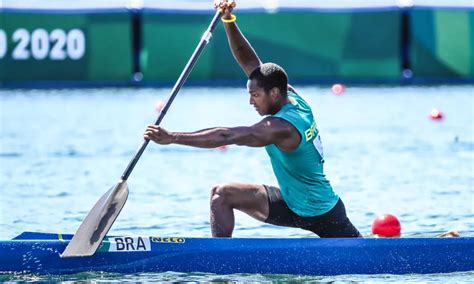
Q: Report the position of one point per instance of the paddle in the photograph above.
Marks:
(99, 220)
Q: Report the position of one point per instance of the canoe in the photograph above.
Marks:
(40, 253)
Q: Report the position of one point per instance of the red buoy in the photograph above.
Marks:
(386, 225)
(159, 106)
(222, 148)
(338, 89)
(436, 114)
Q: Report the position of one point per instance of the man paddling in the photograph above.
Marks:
(305, 198)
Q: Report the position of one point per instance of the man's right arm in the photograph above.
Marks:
(267, 131)
(243, 52)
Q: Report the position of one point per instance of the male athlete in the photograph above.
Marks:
(288, 131)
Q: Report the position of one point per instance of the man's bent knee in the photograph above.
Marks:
(221, 195)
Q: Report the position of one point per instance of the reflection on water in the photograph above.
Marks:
(461, 277)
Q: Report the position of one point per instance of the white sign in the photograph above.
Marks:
(318, 144)
(128, 244)
(3, 43)
(41, 44)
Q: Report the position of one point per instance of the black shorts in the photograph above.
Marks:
(332, 224)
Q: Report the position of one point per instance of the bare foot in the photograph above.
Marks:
(450, 234)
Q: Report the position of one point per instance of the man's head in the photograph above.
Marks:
(268, 85)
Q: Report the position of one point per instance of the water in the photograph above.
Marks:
(62, 149)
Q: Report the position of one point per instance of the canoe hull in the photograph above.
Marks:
(40, 253)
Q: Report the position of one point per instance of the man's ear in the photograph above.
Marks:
(275, 93)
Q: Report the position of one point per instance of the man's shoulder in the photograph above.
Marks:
(282, 123)
(291, 89)
(299, 101)
(292, 93)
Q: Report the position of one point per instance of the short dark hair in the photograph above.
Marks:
(270, 75)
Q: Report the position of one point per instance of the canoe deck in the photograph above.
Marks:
(40, 253)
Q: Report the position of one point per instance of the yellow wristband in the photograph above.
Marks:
(232, 19)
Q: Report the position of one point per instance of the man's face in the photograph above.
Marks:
(258, 98)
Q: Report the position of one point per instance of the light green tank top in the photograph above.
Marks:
(300, 175)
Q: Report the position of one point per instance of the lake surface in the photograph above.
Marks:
(60, 150)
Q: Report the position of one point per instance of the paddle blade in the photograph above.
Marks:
(98, 222)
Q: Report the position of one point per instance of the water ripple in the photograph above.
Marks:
(10, 155)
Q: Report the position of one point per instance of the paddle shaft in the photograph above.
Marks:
(182, 78)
